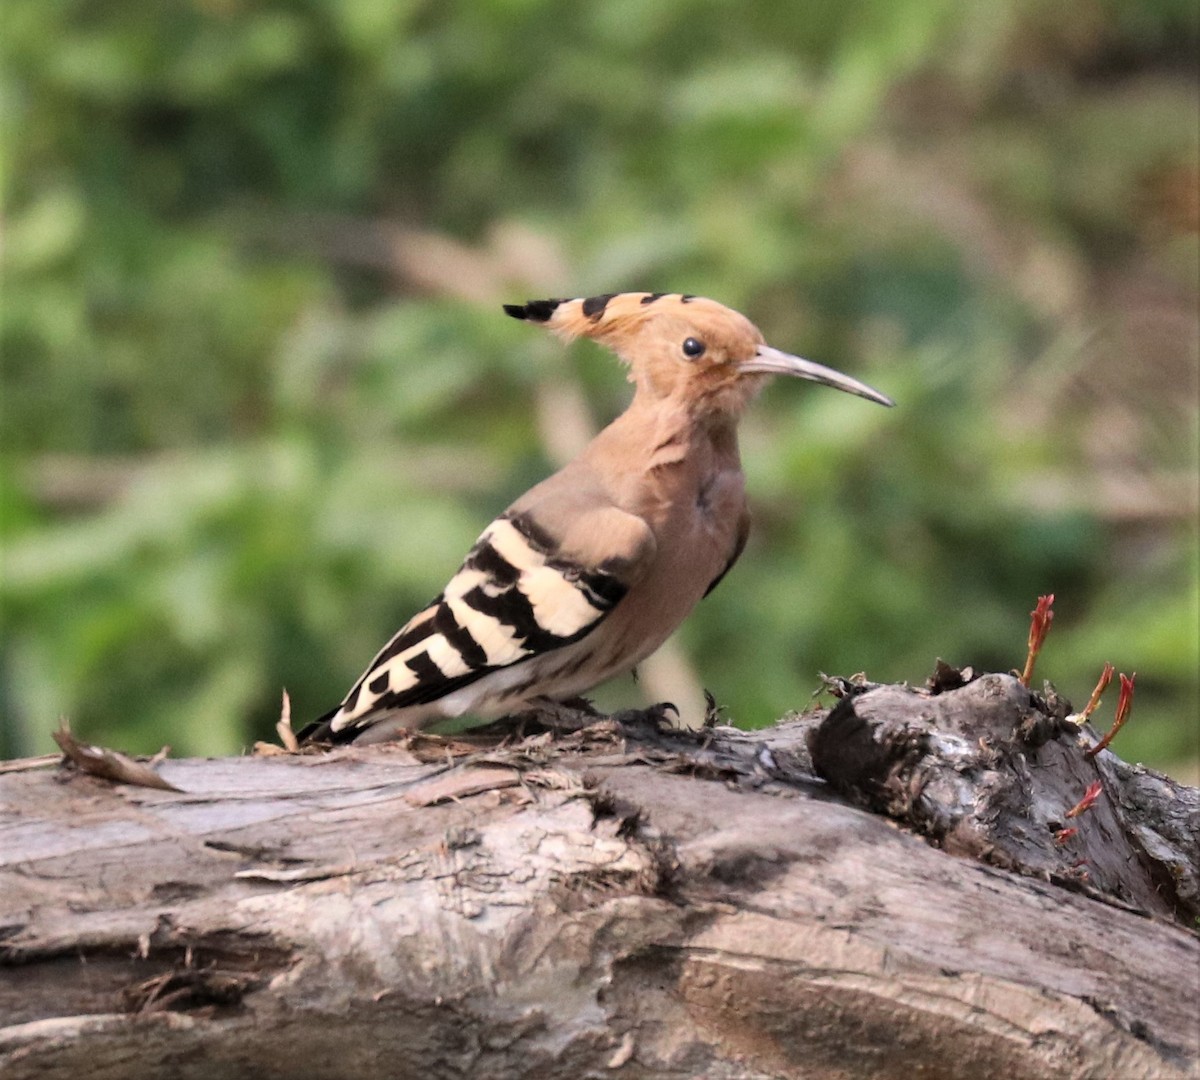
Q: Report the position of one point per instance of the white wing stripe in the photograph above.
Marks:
(462, 583)
(446, 656)
(560, 606)
(512, 547)
(399, 677)
(492, 636)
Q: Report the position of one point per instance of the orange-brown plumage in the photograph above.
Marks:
(592, 569)
(648, 337)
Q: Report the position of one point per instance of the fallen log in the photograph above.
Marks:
(884, 889)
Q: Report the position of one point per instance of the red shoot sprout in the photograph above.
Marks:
(1063, 835)
(1124, 705)
(1040, 619)
(1088, 801)
(1094, 701)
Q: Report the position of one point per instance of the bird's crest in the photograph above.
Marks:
(613, 318)
(671, 341)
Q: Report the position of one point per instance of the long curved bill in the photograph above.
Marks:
(770, 361)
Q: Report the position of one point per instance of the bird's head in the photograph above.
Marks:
(696, 351)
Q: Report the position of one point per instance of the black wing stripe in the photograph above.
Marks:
(424, 669)
(459, 638)
(604, 590)
(488, 560)
(351, 702)
(406, 639)
(537, 537)
(512, 609)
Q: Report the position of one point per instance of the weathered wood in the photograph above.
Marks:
(993, 772)
(615, 901)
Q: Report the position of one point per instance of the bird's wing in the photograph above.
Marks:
(525, 589)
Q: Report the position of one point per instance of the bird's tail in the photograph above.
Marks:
(321, 730)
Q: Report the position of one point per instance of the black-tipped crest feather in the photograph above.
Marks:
(533, 310)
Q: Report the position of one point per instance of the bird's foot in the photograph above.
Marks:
(662, 715)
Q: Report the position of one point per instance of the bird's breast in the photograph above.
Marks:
(696, 529)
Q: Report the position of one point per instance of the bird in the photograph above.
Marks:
(593, 568)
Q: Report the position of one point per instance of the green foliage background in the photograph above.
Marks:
(258, 396)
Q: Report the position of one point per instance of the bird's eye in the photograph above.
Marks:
(693, 348)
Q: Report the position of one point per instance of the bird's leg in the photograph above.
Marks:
(563, 717)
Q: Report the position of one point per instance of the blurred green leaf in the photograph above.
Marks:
(245, 432)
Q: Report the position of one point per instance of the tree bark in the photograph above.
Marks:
(618, 899)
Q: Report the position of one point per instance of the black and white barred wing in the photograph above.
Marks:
(518, 595)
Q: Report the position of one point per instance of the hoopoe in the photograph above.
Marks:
(590, 571)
